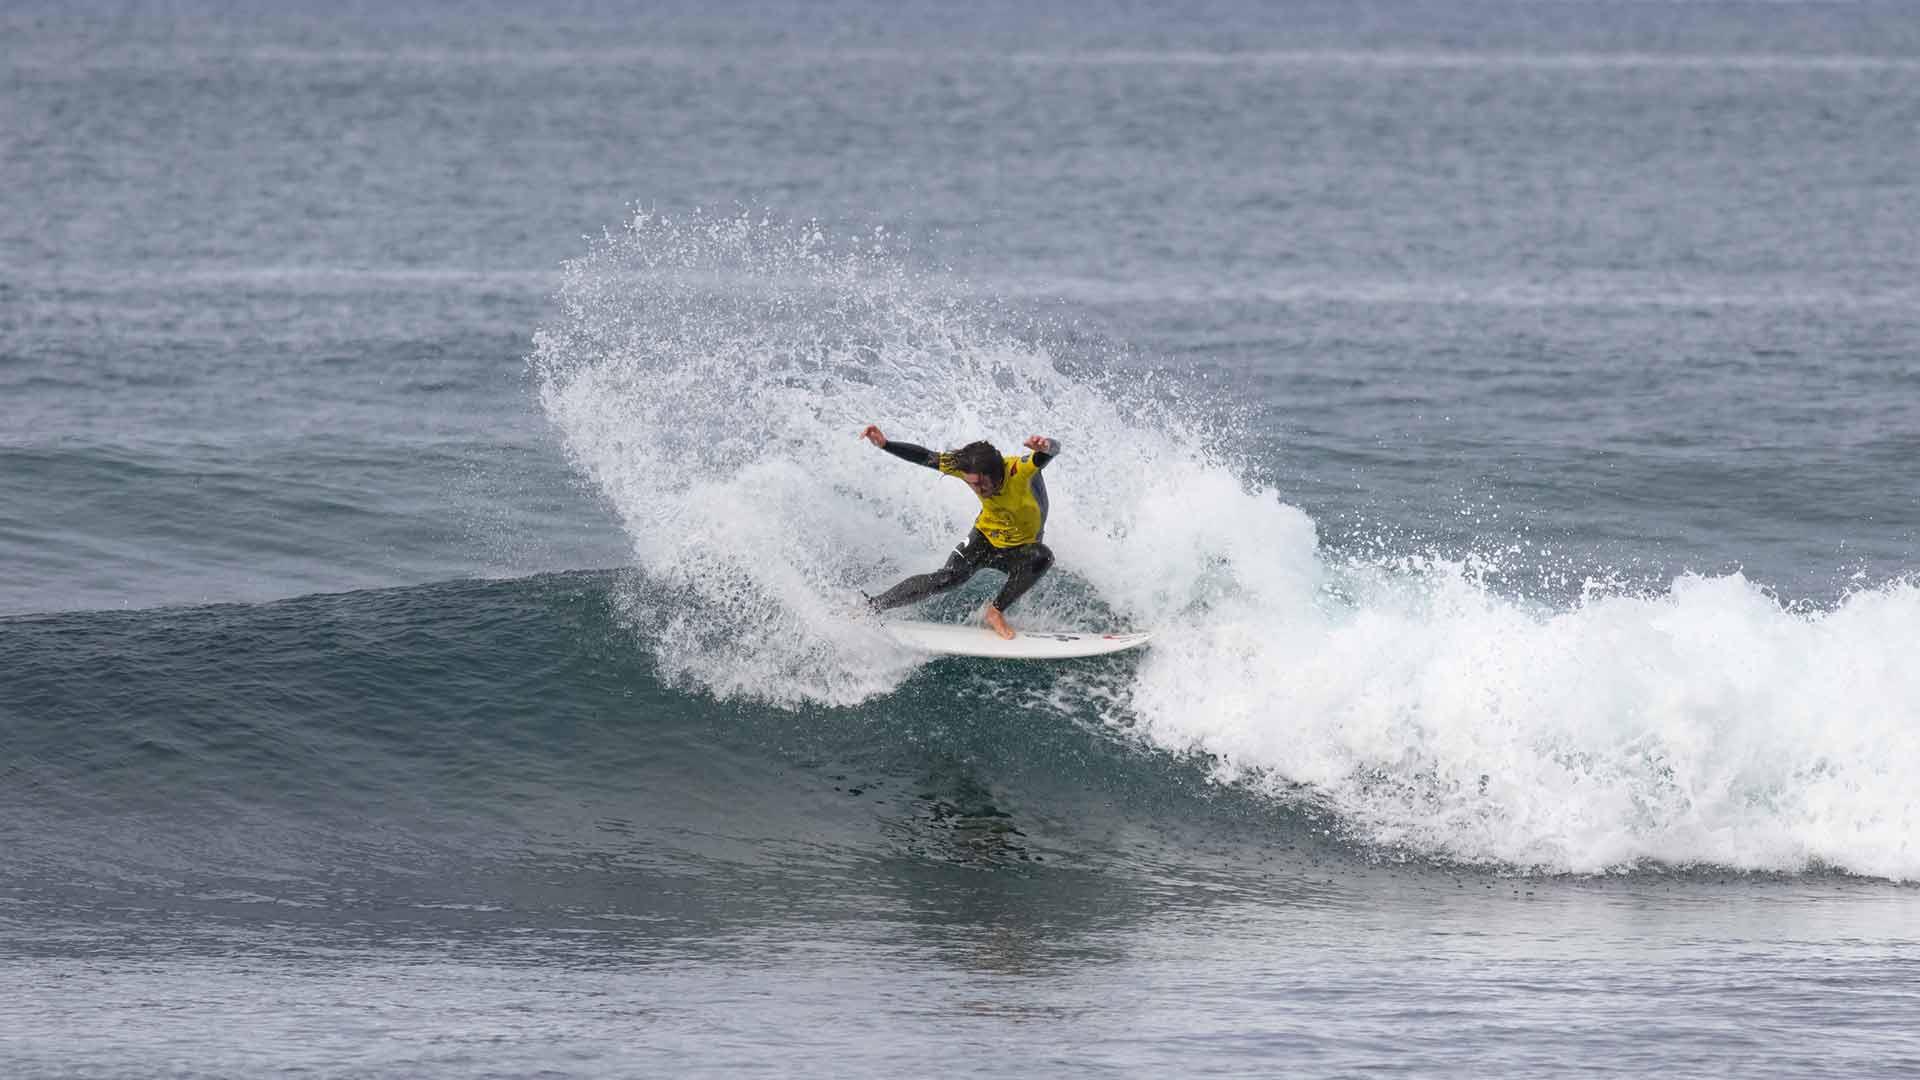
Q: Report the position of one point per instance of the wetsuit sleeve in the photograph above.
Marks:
(907, 451)
(1041, 457)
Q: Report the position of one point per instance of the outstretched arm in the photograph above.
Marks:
(919, 455)
(1044, 449)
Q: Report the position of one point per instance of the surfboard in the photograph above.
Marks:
(951, 640)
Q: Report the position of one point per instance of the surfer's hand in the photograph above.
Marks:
(1039, 444)
(873, 435)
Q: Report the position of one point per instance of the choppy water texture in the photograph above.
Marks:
(430, 508)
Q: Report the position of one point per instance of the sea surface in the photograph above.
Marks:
(431, 516)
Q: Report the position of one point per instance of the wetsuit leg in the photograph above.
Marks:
(966, 558)
(1024, 565)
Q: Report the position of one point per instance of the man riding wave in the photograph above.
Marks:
(1005, 537)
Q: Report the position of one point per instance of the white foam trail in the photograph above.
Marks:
(1707, 725)
(710, 374)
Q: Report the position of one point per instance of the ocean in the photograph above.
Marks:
(433, 519)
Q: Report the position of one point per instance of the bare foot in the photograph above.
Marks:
(998, 622)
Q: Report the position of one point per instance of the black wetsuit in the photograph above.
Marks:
(1023, 565)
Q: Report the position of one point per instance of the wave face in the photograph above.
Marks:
(709, 374)
(459, 743)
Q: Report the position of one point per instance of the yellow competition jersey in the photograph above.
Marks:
(1016, 514)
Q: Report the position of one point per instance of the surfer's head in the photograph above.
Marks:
(983, 467)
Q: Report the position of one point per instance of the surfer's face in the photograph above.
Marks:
(982, 484)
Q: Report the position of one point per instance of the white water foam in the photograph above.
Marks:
(710, 375)
(1706, 725)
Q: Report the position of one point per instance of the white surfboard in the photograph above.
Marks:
(952, 640)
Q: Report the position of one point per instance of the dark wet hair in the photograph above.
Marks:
(979, 457)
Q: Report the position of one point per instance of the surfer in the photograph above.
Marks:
(1006, 535)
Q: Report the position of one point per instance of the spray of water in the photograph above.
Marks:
(711, 376)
